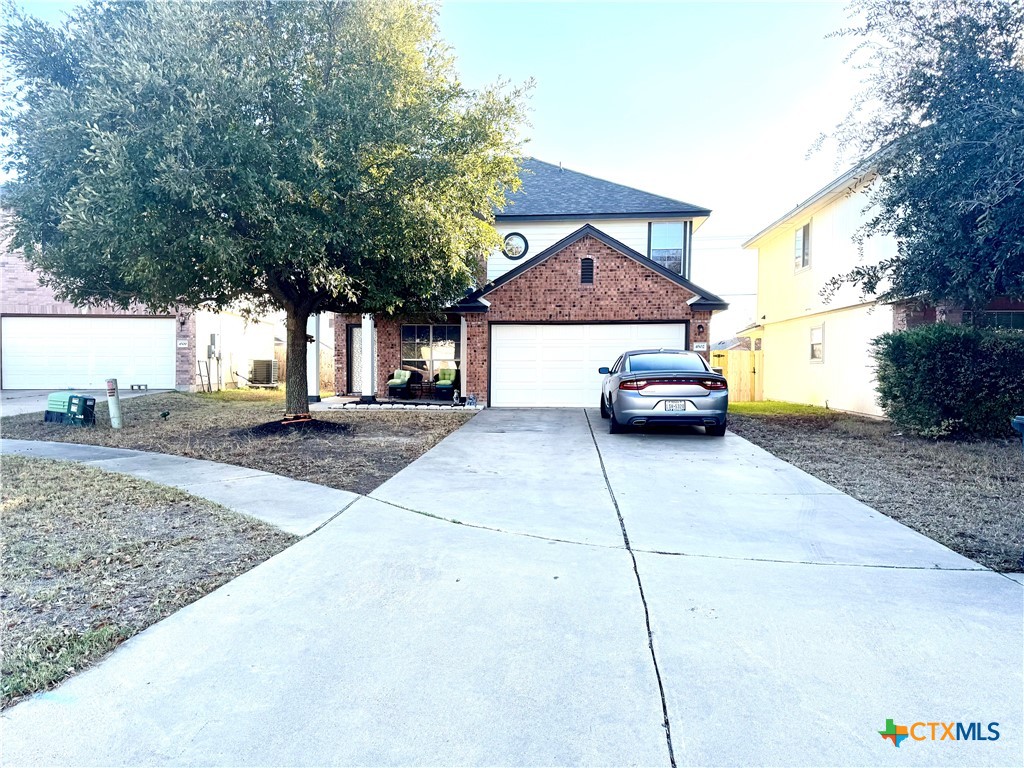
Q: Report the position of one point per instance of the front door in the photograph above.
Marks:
(354, 355)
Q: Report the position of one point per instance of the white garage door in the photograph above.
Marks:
(83, 352)
(556, 365)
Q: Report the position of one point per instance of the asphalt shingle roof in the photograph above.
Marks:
(553, 192)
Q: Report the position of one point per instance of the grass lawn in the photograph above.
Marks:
(357, 451)
(90, 558)
(966, 495)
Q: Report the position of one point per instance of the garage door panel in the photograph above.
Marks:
(82, 352)
(556, 365)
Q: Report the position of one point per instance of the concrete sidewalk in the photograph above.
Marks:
(756, 617)
(292, 505)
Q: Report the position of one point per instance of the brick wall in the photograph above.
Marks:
(341, 323)
(21, 294)
(389, 352)
(623, 290)
(185, 371)
(910, 314)
(906, 315)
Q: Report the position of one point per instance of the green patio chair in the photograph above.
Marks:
(398, 385)
(444, 385)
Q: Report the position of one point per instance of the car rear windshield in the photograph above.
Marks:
(666, 362)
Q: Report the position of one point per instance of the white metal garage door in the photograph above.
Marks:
(83, 352)
(556, 365)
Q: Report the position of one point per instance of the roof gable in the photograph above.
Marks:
(552, 192)
(704, 300)
(849, 182)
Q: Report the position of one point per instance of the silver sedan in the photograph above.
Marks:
(664, 386)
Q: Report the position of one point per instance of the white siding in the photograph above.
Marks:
(845, 377)
(240, 343)
(543, 234)
(789, 304)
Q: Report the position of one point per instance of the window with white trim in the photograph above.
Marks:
(802, 248)
(817, 344)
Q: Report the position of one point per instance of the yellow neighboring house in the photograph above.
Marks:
(817, 351)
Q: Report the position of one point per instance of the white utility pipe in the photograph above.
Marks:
(114, 403)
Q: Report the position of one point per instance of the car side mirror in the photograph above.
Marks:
(603, 369)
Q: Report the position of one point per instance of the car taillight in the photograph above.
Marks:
(640, 384)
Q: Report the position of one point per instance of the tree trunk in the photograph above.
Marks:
(296, 387)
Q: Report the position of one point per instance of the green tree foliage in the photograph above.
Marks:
(942, 122)
(300, 156)
(945, 379)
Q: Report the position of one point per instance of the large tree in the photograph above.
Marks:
(941, 121)
(299, 156)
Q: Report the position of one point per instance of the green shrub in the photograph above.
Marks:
(954, 380)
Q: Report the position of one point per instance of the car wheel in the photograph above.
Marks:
(604, 409)
(614, 427)
(716, 430)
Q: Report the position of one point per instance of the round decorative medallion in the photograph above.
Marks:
(515, 246)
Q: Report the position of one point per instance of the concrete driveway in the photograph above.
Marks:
(534, 591)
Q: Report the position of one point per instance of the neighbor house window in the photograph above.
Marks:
(1013, 319)
(816, 345)
(802, 247)
(667, 244)
(587, 270)
(429, 348)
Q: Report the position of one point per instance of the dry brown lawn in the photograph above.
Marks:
(90, 558)
(966, 495)
(360, 451)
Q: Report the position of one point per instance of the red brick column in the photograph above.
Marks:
(696, 334)
(389, 352)
(185, 356)
(474, 357)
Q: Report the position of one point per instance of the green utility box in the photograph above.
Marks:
(69, 408)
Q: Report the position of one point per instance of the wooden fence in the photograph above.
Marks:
(743, 370)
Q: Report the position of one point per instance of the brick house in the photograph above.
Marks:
(589, 269)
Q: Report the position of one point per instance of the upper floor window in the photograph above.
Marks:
(515, 246)
(802, 248)
(667, 244)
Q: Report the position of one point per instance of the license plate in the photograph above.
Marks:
(676, 405)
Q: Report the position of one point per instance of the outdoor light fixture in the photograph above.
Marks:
(700, 328)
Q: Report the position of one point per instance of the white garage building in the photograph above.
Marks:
(49, 344)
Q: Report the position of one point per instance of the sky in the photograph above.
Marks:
(714, 103)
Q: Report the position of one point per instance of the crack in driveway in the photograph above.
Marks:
(662, 553)
(479, 527)
(666, 723)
